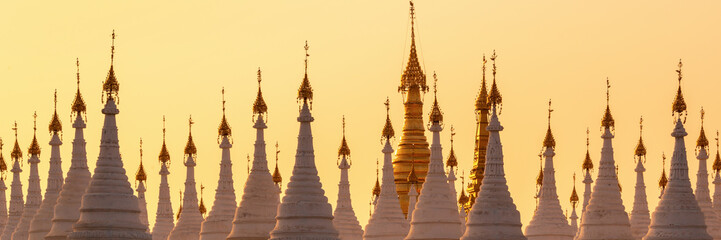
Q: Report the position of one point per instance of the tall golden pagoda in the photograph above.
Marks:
(479, 153)
(413, 147)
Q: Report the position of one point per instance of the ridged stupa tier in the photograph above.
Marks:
(713, 223)
(344, 218)
(219, 222)
(436, 213)
(34, 197)
(109, 209)
(481, 143)
(17, 203)
(164, 216)
(3, 200)
(640, 216)
(140, 179)
(387, 221)
(42, 222)
(189, 221)
(413, 147)
(305, 212)
(255, 216)
(678, 215)
(67, 209)
(717, 179)
(494, 215)
(548, 222)
(605, 216)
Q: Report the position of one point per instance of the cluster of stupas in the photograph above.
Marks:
(414, 196)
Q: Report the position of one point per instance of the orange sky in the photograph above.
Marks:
(173, 58)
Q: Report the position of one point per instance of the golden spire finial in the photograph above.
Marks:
(482, 99)
(259, 106)
(190, 146)
(388, 132)
(277, 179)
(3, 165)
(494, 98)
(463, 199)
(164, 156)
(717, 162)
(344, 150)
(16, 154)
(679, 105)
(224, 128)
(34, 148)
(539, 179)
(55, 126)
(607, 120)
(111, 85)
(413, 75)
(436, 116)
(452, 161)
(78, 104)
(549, 141)
(112, 49)
(587, 163)
(305, 91)
(574, 195)
(140, 175)
(377, 186)
(702, 141)
(201, 206)
(640, 148)
(412, 177)
(663, 180)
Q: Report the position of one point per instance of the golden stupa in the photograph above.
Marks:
(479, 153)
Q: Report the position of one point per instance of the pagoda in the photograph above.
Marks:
(42, 222)
(140, 179)
(305, 212)
(574, 203)
(189, 221)
(3, 200)
(713, 223)
(164, 213)
(548, 222)
(678, 215)
(640, 217)
(344, 218)
(481, 143)
(67, 208)
(387, 221)
(452, 165)
(587, 167)
(219, 222)
(717, 179)
(109, 209)
(15, 210)
(663, 180)
(34, 197)
(494, 215)
(412, 147)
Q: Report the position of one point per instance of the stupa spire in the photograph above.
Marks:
(494, 215)
(436, 213)
(387, 221)
(663, 180)
(189, 221)
(702, 193)
(277, 178)
(140, 180)
(42, 221)
(587, 167)
(481, 141)
(605, 216)
(17, 202)
(259, 106)
(412, 87)
(717, 179)
(219, 222)
(574, 202)
(640, 217)
(677, 215)
(376, 192)
(304, 191)
(548, 220)
(164, 213)
(201, 205)
(3, 200)
(109, 208)
(344, 218)
(34, 197)
(67, 209)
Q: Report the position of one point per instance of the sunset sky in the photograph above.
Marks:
(173, 57)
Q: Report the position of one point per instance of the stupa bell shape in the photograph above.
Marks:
(387, 221)
(548, 222)
(436, 214)
(494, 215)
(42, 222)
(717, 180)
(3, 200)
(34, 197)
(164, 217)
(189, 221)
(678, 215)
(67, 209)
(412, 147)
(640, 216)
(703, 196)
(344, 218)
(305, 212)
(17, 203)
(140, 179)
(255, 216)
(109, 209)
(605, 216)
(219, 222)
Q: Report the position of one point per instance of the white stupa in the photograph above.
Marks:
(640, 217)
(67, 209)
(387, 221)
(17, 203)
(305, 212)
(164, 217)
(436, 213)
(587, 167)
(109, 209)
(703, 196)
(219, 222)
(452, 165)
(140, 179)
(255, 216)
(3, 200)
(574, 202)
(412, 194)
(548, 222)
(42, 222)
(717, 179)
(34, 197)
(678, 215)
(189, 220)
(494, 215)
(344, 218)
(605, 216)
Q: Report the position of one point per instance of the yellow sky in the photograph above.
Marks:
(172, 58)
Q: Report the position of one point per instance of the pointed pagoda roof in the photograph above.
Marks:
(549, 141)
(201, 206)
(663, 181)
(435, 116)
(412, 177)
(587, 163)
(259, 106)
(377, 186)
(78, 104)
(16, 154)
(607, 120)
(717, 161)
(574, 195)
(452, 161)
(224, 127)
(640, 150)
(140, 174)
(702, 141)
(343, 150)
(539, 178)
(3, 164)
(277, 179)
(111, 85)
(55, 126)
(679, 104)
(305, 91)
(482, 99)
(388, 132)
(190, 146)
(34, 148)
(413, 75)
(494, 98)
(164, 156)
